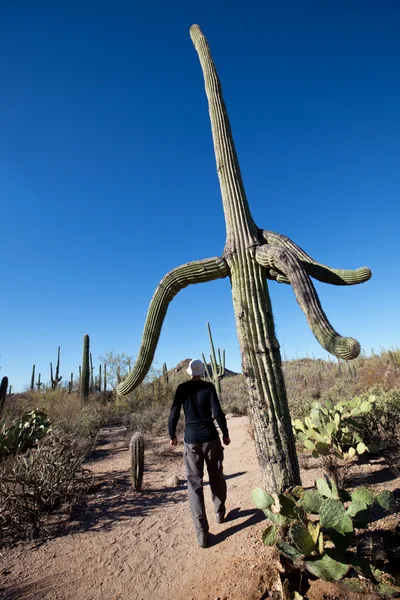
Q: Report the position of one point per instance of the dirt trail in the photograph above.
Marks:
(142, 546)
(130, 546)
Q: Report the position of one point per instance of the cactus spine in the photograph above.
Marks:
(3, 391)
(137, 460)
(217, 369)
(85, 373)
(55, 380)
(33, 379)
(250, 257)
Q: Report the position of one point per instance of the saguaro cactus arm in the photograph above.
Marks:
(285, 261)
(174, 281)
(312, 267)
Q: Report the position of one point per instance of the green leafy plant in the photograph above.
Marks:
(39, 489)
(314, 529)
(23, 433)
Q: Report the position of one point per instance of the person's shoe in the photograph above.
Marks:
(202, 539)
(220, 517)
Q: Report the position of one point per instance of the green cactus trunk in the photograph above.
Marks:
(165, 372)
(55, 380)
(85, 371)
(3, 391)
(217, 368)
(250, 256)
(33, 379)
(137, 460)
(39, 383)
(91, 385)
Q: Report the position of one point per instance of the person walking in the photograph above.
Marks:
(202, 444)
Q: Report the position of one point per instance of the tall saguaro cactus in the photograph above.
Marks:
(85, 371)
(250, 257)
(3, 391)
(33, 379)
(57, 378)
(217, 368)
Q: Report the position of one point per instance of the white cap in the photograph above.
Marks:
(196, 367)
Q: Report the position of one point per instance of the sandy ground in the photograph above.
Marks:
(127, 545)
(142, 546)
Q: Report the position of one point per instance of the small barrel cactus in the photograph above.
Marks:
(136, 447)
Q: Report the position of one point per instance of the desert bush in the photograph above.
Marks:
(309, 379)
(23, 433)
(33, 486)
(315, 531)
(85, 423)
(380, 429)
(379, 369)
(234, 395)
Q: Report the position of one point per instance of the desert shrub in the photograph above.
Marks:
(234, 395)
(85, 423)
(379, 369)
(328, 432)
(23, 433)
(381, 428)
(315, 531)
(47, 479)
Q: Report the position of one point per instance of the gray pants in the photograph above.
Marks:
(195, 455)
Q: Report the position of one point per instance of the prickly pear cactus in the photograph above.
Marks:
(136, 447)
(327, 429)
(320, 543)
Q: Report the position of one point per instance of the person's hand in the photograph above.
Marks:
(173, 442)
(226, 441)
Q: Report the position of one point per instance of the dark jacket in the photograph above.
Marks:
(200, 402)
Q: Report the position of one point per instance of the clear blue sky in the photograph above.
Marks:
(108, 178)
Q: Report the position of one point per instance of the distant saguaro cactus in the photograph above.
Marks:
(165, 372)
(251, 256)
(71, 383)
(33, 379)
(217, 368)
(55, 380)
(39, 382)
(91, 367)
(3, 391)
(137, 460)
(85, 371)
